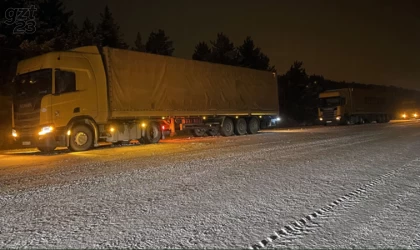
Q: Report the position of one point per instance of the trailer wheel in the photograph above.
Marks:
(240, 126)
(198, 132)
(81, 138)
(212, 132)
(253, 126)
(153, 133)
(228, 127)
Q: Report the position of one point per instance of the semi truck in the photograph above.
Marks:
(355, 106)
(83, 97)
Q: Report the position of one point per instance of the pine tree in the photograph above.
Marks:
(251, 56)
(159, 43)
(223, 51)
(202, 52)
(108, 31)
(138, 43)
(87, 34)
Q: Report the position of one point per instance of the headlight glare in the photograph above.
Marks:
(46, 130)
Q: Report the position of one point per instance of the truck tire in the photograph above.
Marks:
(240, 126)
(228, 127)
(81, 138)
(153, 133)
(198, 132)
(253, 126)
(212, 132)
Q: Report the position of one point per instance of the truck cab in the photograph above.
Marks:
(333, 106)
(408, 109)
(53, 90)
(355, 106)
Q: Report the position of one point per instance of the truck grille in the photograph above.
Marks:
(26, 123)
(329, 114)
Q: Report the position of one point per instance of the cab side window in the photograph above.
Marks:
(65, 81)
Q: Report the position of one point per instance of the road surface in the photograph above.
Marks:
(321, 187)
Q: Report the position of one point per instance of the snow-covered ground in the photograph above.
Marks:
(322, 187)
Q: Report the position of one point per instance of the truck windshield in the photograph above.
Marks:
(329, 102)
(32, 84)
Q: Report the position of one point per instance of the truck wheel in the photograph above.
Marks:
(153, 133)
(212, 132)
(227, 129)
(240, 126)
(198, 132)
(253, 126)
(81, 138)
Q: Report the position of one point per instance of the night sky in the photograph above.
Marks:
(374, 42)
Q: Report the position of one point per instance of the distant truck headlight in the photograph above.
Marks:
(321, 119)
(46, 130)
(14, 133)
(415, 115)
(278, 119)
(404, 116)
(338, 118)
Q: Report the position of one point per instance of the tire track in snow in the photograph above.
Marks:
(201, 154)
(310, 222)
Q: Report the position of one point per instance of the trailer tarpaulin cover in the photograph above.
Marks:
(147, 82)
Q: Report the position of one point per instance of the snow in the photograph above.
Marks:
(354, 186)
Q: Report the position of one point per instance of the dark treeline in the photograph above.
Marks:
(56, 30)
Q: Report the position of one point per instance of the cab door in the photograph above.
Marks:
(66, 98)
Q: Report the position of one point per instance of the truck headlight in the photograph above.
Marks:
(338, 118)
(404, 115)
(46, 130)
(321, 119)
(14, 133)
(415, 115)
(278, 119)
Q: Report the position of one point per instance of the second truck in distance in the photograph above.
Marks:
(355, 106)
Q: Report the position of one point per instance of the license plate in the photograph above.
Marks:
(26, 143)
(329, 121)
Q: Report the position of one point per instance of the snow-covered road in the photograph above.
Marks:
(321, 187)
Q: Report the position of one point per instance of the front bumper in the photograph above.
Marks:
(332, 121)
(47, 140)
(32, 139)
